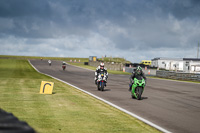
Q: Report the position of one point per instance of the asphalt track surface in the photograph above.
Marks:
(174, 106)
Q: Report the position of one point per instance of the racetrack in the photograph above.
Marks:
(172, 105)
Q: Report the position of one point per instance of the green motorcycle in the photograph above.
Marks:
(138, 88)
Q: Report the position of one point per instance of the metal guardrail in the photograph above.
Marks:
(168, 74)
(178, 75)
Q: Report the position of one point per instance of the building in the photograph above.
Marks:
(191, 65)
(167, 63)
(92, 58)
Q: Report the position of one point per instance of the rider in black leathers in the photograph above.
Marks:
(138, 72)
(100, 69)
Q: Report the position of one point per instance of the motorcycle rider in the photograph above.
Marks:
(49, 62)
(99, 69)
(138, 72)
(64, 65)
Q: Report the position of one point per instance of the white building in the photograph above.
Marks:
(192, 65)
(177, 64)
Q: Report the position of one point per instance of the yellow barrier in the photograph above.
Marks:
(46, 87)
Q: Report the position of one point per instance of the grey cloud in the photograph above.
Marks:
(24, 8)
(181, 9)
(122, 26)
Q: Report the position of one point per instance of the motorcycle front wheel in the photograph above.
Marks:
(139, 93)
(101, 86)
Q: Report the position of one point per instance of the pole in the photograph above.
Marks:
(198, 51)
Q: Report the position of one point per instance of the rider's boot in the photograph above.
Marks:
(130, 87)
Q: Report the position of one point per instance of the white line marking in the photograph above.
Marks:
(115, 106)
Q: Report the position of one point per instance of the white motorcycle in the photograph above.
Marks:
(101, 81)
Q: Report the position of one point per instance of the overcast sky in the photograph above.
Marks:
(133, 29)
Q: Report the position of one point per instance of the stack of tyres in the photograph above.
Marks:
(10, 124)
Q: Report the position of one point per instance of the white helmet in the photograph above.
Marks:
(101, 64)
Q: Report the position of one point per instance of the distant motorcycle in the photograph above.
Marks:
(101, 81)
(138, 88)
(63, 67)
(49, 62)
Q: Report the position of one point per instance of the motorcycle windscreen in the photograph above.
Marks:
(139, 77)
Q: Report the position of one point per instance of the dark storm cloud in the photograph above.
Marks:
(119, 25)
(182, 9)
(38, 19)
(80, 16)
(24, 8)
(24, 15)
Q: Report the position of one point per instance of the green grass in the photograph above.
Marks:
(94, 68)
(82, 65)
(110, 59)
(118, 72)
(45, 58)
(67, 110)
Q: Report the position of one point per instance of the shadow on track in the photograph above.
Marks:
(142, 98)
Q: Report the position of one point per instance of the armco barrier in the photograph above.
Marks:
(178, 75)
(10, 124)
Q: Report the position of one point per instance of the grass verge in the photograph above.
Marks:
(94, 68)
(67, 59)
(110, 59)
(44, 58)
(67, 110)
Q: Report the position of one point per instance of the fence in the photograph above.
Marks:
(148, 72)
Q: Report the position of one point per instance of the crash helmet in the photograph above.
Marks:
(139, 70)
(101, 65)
